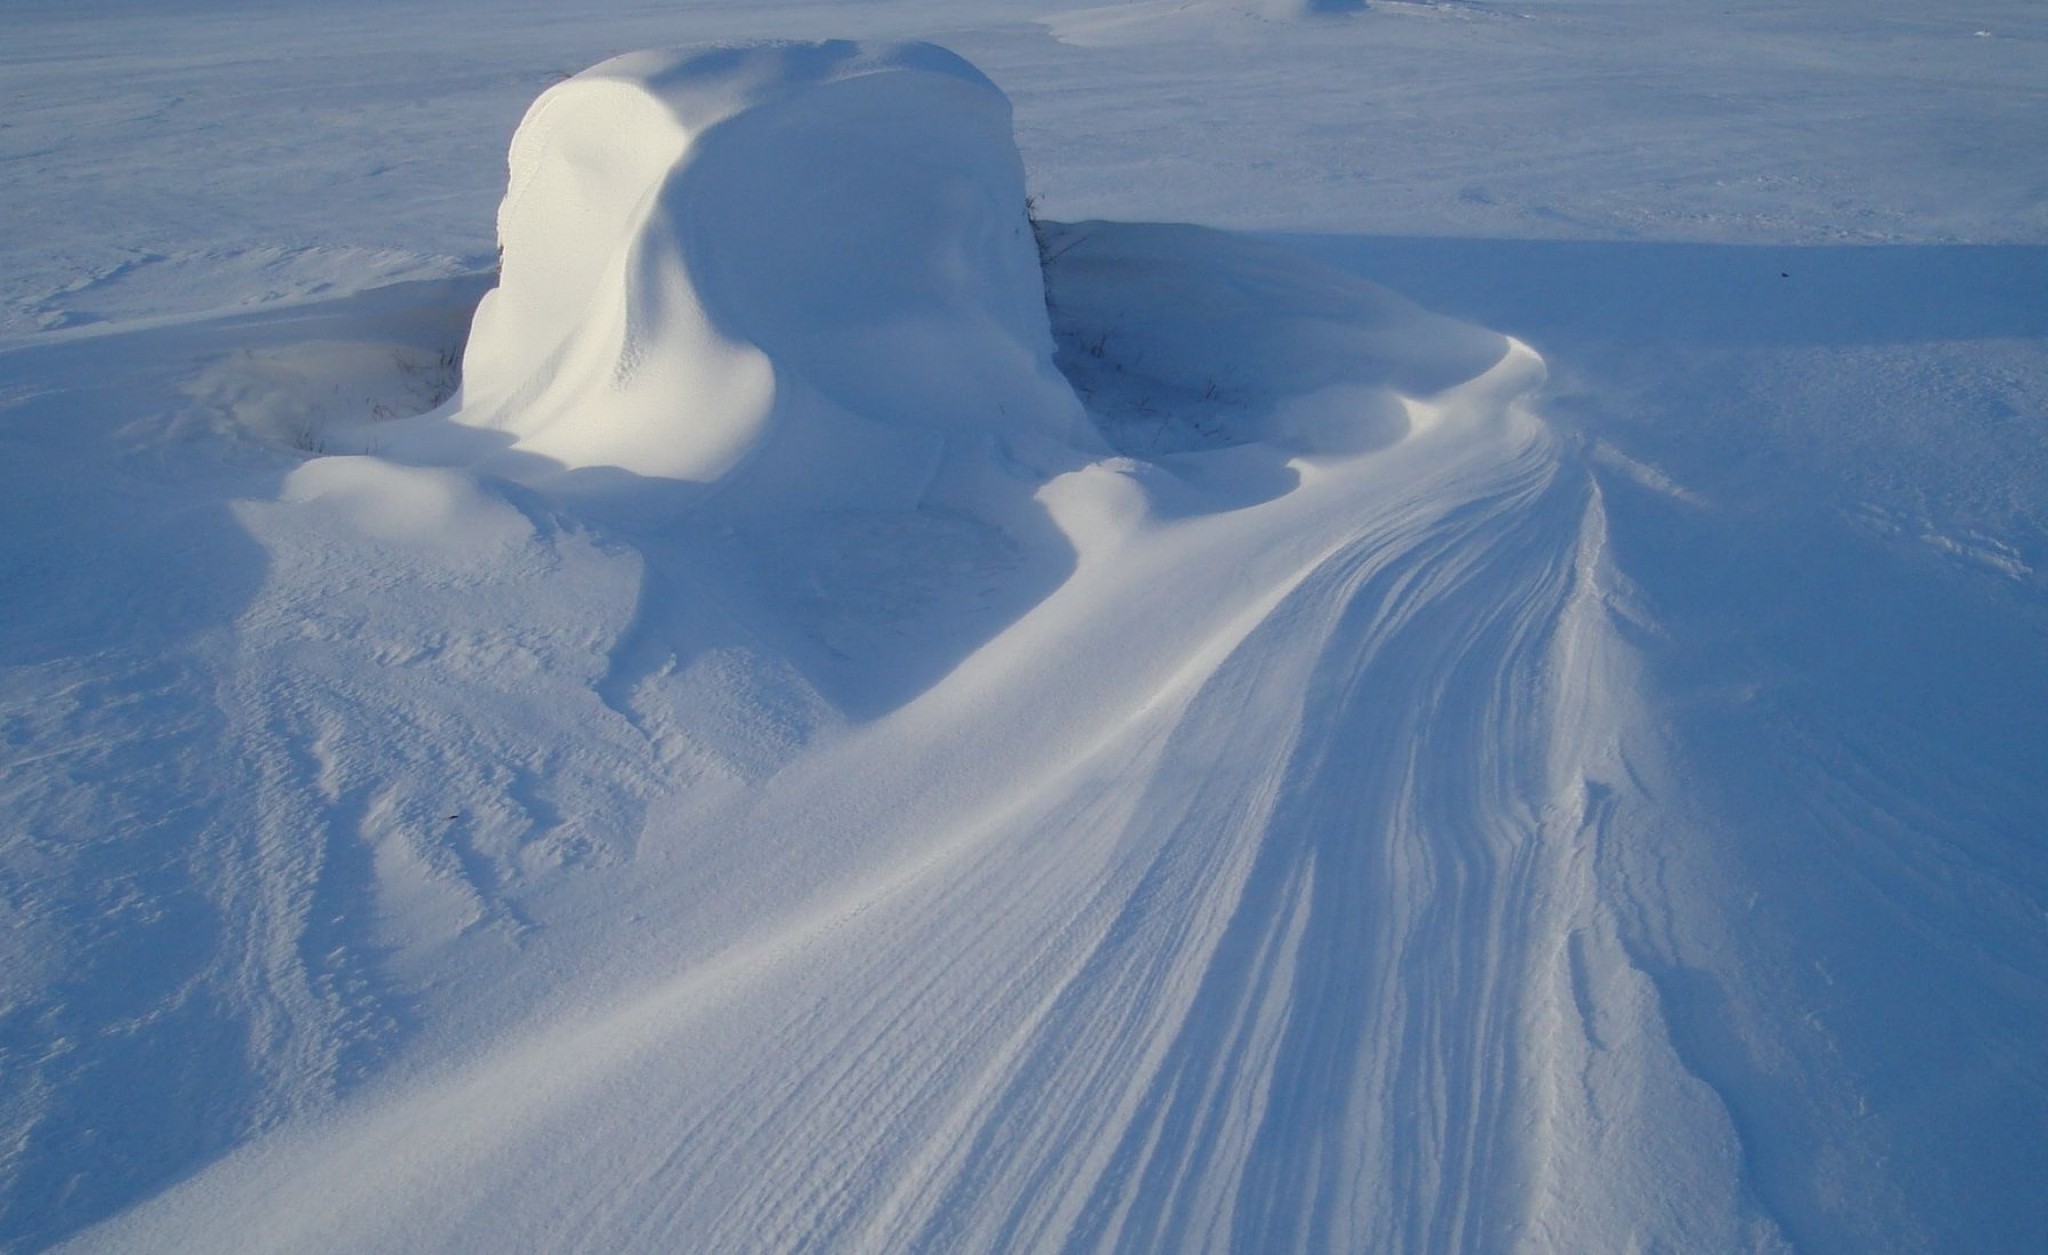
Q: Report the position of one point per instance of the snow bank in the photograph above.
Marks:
(804, 266)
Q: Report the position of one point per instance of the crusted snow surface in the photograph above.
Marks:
(827, 741)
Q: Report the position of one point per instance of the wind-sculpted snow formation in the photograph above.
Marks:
(808, 751)
(769, 268)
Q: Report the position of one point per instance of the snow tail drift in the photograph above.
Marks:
(1239, 863)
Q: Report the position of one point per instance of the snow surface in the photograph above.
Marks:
(748, 266)
(1490, 696)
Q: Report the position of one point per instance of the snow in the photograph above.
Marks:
(1463, 673)
(653, 318)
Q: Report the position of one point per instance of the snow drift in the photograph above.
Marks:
(1355, 815)
(904, 845)
(804, 266)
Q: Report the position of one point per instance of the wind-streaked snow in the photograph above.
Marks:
(1343, 738)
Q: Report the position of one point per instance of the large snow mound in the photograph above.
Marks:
(775, 263)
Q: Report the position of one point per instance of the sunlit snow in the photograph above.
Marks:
(1187, 625)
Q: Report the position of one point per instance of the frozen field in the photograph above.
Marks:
(1465, 669)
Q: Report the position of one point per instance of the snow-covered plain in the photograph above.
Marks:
(1491, 693)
